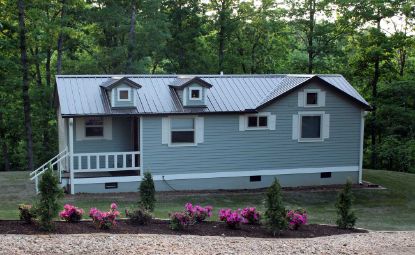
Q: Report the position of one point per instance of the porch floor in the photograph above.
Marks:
(103, 174)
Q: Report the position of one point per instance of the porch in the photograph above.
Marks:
(88, 159)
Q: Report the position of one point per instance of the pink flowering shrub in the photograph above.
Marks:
(71, 213)
(180, 220)
(232, 218)
(250, 215)
(104, 220)
(197, 212)
(296, 218)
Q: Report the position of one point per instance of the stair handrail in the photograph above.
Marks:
(65, 151)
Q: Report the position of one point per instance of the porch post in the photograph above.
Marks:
(71, 173)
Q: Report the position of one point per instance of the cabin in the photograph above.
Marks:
(204, 132)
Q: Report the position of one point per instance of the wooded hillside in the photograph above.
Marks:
(370, 42)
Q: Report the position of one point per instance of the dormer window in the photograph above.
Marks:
(123, 94)
(195, 94)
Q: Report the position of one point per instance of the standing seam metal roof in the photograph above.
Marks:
(83, 94)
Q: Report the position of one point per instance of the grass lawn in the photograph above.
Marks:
(390, 209)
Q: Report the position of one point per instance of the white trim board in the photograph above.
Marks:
(220, 174)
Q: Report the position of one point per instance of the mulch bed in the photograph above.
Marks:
(210, 228)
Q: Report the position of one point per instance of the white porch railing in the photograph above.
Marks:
(87, 163)
(106, 161)
(57, 163)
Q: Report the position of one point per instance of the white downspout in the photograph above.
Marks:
(362, 137)
(71, 173)
(141, 145)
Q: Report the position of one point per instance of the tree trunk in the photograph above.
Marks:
(37, 67)
(402, 60)
(60, 40)
(131, 39)
(310, 35)
(374, 87)
(47, 66)
(25, 84)
(221, 35)
(5, 150)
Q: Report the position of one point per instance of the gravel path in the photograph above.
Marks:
(369, 243)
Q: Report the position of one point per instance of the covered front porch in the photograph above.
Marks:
(94, 150)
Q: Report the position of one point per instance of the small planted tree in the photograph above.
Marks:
(275, 214)
(345, 216)
(147, 192)
(48, 204)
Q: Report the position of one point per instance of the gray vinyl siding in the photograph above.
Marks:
(121, 139)
(225, 148)
(118, 103)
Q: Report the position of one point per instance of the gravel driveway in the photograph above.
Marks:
(368, 243)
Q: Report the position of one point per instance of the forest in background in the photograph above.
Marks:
(370, 42)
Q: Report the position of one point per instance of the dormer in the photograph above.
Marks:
(121, 91)
(192, 91)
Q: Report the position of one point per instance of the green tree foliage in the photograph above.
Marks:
(50, 195)
(345, 215)
(275, 214)
(147, 192)
(370, 42)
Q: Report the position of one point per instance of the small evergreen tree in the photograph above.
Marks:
(147, 192)
(345, 216)
(49, 200)
(275, 213)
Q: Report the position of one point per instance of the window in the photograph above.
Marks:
(255, 178)
(123, 94)
(94, 127)
(182, 130)
(257, 121)
(325, 175)
(195, 94)
(311, 98)
(310, 127)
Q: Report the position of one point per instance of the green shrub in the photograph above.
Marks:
(48, 204)
(139, 216)
(345, 215)
(275, 214)
(147, 192)
(27, 213)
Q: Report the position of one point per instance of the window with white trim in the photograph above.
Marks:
(94, 127)
(195, 93)
(123, 94)
(257, 121)
(311, 126)
(182, 130)
(311, 98)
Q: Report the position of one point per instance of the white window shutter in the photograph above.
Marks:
(326, 126)
(80, 129)
(300, 99)
(242, 124)
(295, 127)
(272, 119)
(108, 128)
(165, 130)
(322, 98)
(200, 129)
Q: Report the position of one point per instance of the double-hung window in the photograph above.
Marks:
(182, 130)
(94, 127)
